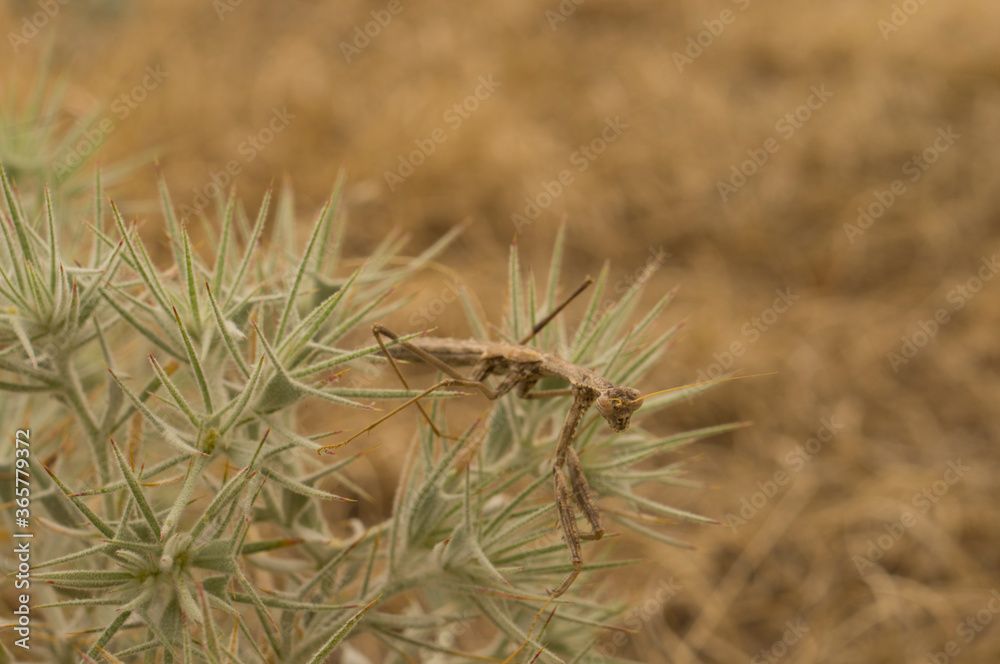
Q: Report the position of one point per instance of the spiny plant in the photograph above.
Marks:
(183, 502)
(40, 142)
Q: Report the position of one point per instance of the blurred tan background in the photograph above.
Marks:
(878, 543)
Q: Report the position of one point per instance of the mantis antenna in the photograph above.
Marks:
(708, 382)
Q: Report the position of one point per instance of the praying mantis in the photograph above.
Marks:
(522, 367)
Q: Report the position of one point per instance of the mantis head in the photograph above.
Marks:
(617, 404)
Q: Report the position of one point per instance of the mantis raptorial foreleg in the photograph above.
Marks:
(582, 400)
(584, 496)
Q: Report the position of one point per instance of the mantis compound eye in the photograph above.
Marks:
(617, 404)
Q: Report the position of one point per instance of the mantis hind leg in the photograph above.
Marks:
(378, 331)
(454, 379)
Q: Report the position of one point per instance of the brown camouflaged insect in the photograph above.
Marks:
(522, 367)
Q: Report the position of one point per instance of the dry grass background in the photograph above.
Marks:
(656, 185)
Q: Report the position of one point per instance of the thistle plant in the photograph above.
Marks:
(179, 507)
